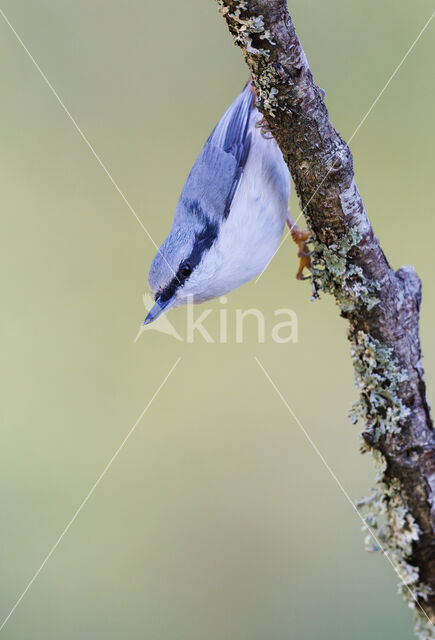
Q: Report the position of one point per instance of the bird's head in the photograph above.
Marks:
(182, 270)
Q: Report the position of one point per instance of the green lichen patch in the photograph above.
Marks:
(378, 377)
(423, 629)
(389, 524)
(392, 529)
(333, 274)
(247, 29)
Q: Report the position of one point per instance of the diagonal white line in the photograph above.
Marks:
(83, 136)
(91, 491)
(342, 489)
(286, 235)
(391, 78)
(374, 103)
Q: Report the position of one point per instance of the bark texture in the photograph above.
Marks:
(380, 304)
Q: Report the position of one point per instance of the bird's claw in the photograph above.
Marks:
(304, 254)
(264, 128)
(261, 124)
(301, 237)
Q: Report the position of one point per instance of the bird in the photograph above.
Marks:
(230, 215)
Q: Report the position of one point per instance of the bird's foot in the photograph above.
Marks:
(265, 129)
(261, 124)
(301, 238)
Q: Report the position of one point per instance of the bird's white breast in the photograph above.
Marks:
(250, 235)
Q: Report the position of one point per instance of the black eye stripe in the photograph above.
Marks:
(202, 243)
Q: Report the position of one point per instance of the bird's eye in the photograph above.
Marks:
(185, 270)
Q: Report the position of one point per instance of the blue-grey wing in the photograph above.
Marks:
(213, 180)
(231, 133)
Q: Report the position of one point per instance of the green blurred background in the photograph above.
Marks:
(217, 520)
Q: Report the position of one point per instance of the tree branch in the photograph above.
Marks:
(381, 305)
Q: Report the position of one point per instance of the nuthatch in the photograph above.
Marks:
(230, 215)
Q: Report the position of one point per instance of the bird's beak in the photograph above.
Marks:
(158, 309)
